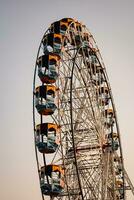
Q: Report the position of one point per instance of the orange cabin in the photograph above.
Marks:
(47, 137)
(52, 43)
(59, 27)
(47, 65)
(45, 95)
(55, 174)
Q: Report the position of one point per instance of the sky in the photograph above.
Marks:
(22, 25)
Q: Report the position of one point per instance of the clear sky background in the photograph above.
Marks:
(22, 24)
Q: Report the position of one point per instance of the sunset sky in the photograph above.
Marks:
(22, 25)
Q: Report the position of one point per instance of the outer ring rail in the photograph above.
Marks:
(71, 115)
(34, 79)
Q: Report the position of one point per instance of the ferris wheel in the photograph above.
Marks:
(77, 137)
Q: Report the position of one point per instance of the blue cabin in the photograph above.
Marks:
(51, 181)
(44, 99)
(47, 137)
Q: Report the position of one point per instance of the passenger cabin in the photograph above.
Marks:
(59, 27)
(115, 145)
(109, 112)
(96, 69)
(44, 101)
(111, 145)
(120, 194)
(76, 40)
(76, 34)
(103, 96)
(113, 135)
(110, 118)
(70, 25)
(119, 185)
(119, 169)
(67, 20)
(117, 159)
(85, 40)
(47, 137)
(78, 26)
(52, 43)
(97, 75)
(51, 181)
(47, 65)
(94, 60)
(86, 51)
